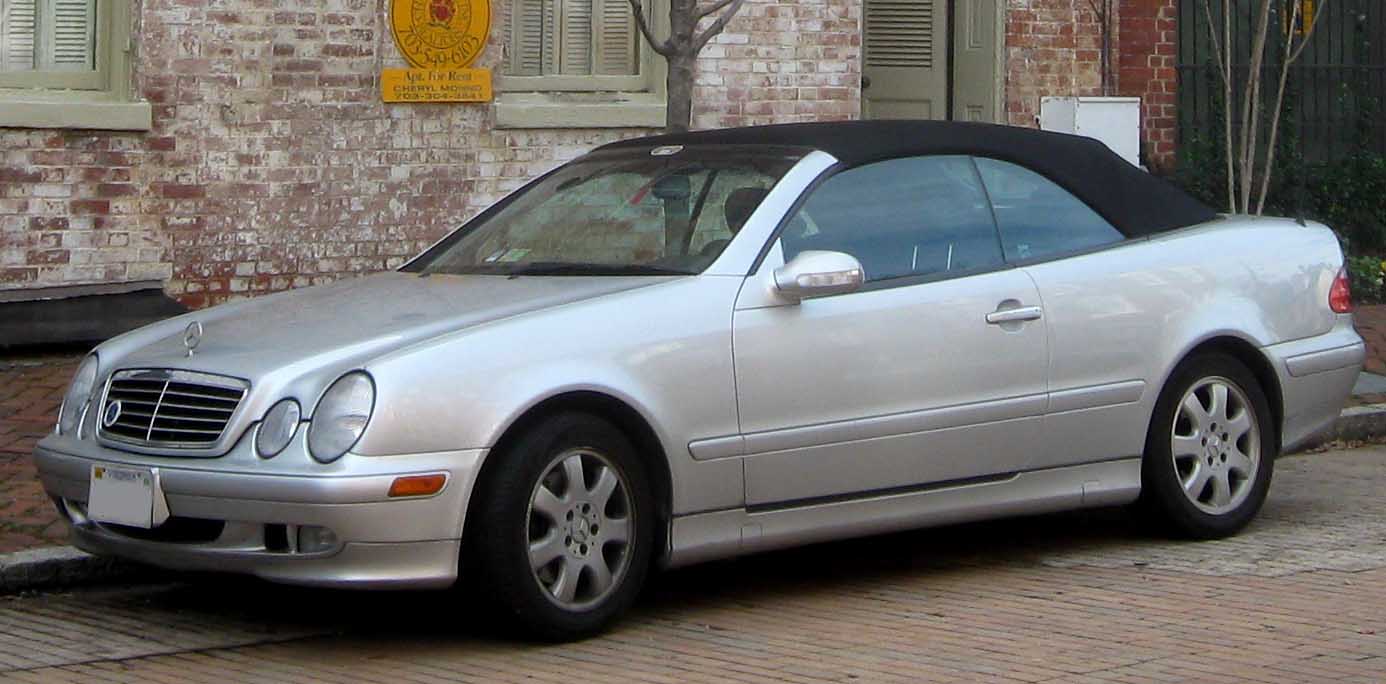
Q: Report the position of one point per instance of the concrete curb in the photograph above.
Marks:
(62, 566)
(1355, 424)
(59, 566)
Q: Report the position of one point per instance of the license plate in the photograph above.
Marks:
(122, 495)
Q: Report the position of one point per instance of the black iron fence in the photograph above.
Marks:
(1335, 102)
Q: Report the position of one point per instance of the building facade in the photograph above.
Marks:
(224, 148)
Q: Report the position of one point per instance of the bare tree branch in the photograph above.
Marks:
(718, 25)
(714, 7)
(1275, 113)
(662, 47)
(1251, 107)
(1225, 71)
(1290, 56)
(1213, 34)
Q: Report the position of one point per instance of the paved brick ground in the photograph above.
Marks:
(30, 391)
(1073, 599)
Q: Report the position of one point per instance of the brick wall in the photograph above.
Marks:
(1146, 69)
(782, 62)
(1053, 47)
(273, 163)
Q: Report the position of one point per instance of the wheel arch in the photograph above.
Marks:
(621, 414)
(1255, 361)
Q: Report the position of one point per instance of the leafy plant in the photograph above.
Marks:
(1366, 275)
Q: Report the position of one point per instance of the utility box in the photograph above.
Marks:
(1116, 121)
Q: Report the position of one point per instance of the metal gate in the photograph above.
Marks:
(1335, 100)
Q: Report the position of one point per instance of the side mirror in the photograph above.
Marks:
(816, 274)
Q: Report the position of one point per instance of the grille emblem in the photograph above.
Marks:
(111, 414)
(192, 337)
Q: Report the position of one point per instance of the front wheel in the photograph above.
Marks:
(1210, 450)
(566, 527)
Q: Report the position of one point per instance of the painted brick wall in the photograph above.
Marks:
(1146, 69)
(273, 163)
(1053, 47)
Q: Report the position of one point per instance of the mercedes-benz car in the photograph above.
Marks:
(693, 346)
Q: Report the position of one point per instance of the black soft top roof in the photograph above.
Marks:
(1135, 202)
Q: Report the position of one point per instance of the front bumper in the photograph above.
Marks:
(240, 513)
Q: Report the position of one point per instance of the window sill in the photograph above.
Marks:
(72, 109)
(579, 110)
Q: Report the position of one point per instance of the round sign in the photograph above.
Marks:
(440, 34)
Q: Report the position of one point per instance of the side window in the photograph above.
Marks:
(904, 217)
(1038, 218)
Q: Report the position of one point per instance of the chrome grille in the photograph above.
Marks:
(169, 408)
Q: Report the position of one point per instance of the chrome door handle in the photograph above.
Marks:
(1024, 313)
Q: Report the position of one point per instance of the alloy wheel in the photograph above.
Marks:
(1216, 445)
(580, 524)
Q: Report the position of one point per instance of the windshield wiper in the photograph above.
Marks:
(556, 268)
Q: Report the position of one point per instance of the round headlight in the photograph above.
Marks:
(341, 416)
(278, 427)
(78, 394)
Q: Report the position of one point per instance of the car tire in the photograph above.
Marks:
(562, 561)
(1210, 451)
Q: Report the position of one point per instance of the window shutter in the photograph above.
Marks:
(18, 20)
(614, 38)
(531, 50)
(577, 37)
(900, 33)
(69, 35)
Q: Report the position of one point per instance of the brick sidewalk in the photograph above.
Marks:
(1079, 598)
(30, 392)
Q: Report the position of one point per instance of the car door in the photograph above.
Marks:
(1098, 307)
(933, 372)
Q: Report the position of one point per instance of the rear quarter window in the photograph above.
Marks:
(1036, 217)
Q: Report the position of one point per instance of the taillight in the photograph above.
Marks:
(1340, 295)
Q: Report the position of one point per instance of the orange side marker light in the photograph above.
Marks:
(418, 485)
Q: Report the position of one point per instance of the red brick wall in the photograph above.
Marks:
(1053, 47)
(1145, 69)
(273, 163)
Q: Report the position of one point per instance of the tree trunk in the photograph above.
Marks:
(679, 112)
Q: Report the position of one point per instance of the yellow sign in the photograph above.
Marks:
(435, 85)
(440, 34)
(1304, 18)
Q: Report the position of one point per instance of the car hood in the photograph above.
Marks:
(350, 321)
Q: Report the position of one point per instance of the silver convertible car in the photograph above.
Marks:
(695, 346)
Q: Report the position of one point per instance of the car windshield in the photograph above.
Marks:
(667, 211)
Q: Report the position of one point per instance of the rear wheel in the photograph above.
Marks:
(1209, 454)
(565, 530)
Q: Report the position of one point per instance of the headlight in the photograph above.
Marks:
(341, 416)
(78, 394)
(278, 427)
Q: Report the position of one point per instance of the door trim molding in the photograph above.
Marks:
(896, 424)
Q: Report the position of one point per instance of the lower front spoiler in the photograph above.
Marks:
(356, 565)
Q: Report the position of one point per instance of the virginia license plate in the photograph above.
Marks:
(122, 495)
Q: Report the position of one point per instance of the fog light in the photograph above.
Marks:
(314, 539)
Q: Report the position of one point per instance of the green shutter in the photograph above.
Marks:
(529, 52)
(68, 30)
(614, 39)
(575, 40)
(900, 33)
(18, 34)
